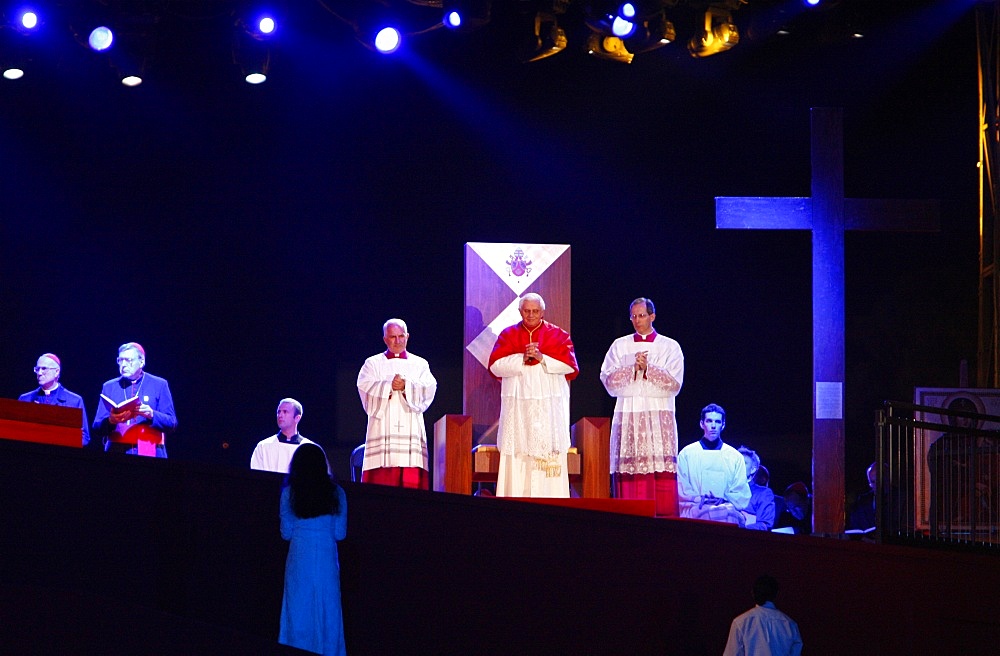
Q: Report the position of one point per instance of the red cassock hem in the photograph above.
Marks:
(661, 486)
(410, 477)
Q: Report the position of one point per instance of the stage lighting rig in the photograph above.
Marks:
(654, 32)
(719, 33)
(253, 34)
(539, 34)
(611, 17)
(603, 46)
(620, 30)
(138, 31)
(16, 33)
(124, 34)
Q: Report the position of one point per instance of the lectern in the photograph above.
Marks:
(38, 422)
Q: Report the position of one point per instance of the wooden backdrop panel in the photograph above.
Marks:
(495, 277)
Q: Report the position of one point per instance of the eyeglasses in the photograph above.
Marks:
(639, 316)
(127, 360)
(39, 370)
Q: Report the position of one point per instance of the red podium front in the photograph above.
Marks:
(38, 422)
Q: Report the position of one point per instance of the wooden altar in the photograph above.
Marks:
(457, 465)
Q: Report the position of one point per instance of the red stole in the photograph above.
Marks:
(553, 342)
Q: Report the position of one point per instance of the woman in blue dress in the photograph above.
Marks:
(313, 519)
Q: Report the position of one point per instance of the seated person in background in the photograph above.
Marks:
(762, 477)
(711, 475)
(798, 509)
(759, 513)
(862, 516)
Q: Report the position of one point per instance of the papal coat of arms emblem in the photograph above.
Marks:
(517, 266)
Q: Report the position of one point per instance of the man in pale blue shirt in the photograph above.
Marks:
(764, 629)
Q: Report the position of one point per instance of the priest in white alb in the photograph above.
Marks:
(534, 360)
(644, 371)
(396, 388)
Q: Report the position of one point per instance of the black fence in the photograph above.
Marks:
(939, 483)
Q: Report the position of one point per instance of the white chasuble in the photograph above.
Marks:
(396, 435)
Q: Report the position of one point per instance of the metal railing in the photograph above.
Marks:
(939, 482)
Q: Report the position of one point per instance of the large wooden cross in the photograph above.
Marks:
(828, 214)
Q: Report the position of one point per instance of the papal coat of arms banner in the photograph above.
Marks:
(496, 277)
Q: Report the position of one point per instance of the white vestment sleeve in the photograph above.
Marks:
(509, 365)
(617, 371)
(374, 392)
(667, 380)
(419, 394)
(739, 489)
(555, 367)
(686, 492)
(257, 459)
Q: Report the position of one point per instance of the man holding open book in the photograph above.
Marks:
(136, 410)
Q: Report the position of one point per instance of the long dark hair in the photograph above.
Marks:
(313, 488)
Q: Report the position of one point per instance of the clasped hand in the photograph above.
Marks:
(710, 500)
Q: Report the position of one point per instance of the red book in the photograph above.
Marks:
(131, 404)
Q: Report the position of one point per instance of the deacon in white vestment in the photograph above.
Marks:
(644, 371)
(534, 360)
(711, 475)
(396, 388)
(275, 453)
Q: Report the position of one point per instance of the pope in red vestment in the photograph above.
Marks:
(534, 361)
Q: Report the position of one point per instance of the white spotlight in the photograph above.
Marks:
(100, 39)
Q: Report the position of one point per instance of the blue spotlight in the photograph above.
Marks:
(465, 15)
(623, 24)
(266, 25)
(100, 38)
(622, 28)
(812, 3)
(27, 20)
(388, 40)
(260, 27)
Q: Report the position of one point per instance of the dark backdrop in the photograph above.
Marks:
(254, 239)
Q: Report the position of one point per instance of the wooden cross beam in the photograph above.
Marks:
(827, 214)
